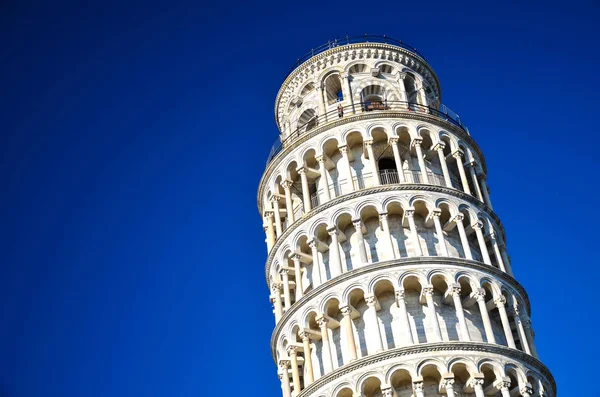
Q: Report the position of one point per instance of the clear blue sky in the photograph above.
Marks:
(133, 140)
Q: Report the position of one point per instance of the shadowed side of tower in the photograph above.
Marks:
(387, 266)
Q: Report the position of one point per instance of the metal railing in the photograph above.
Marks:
(443, 113)
(388, 177)
(342, 41)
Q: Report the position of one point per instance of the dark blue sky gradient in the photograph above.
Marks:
(133, 140)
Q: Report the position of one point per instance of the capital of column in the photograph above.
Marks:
(428, 290)
(440, 146)
(291, 350)
(357, 223)
(368, 143)
(276, 287)
(332, 230)
(500, 301)
(304, 336)
(477, 225)
(284, 365)
(345, 310)
(286, 184)
(526, 390)
(458, 218)
(370, 299)
(312, 243)
(476, 382)
(322, 321)
(301, 171)
(455, 290)
(436, 213)
(400, 294)
(418, 386)
(416, 142)
(479, 295)
(320, 159)
(274, 199)
(343, 149)
(393, 140)
(269, 213)
(387, 392)
(448, 383)
(409, 213)
(294, 256)
(502, 384)
(383, 216)
(458, 154)
(284, 271)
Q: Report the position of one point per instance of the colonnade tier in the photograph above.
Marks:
(351, 74)
(455, 369)
(357, 157)
(381, 224)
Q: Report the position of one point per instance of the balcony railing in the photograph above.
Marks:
(443, 113)
(341, 41)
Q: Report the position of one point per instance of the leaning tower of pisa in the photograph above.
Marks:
(387, 266)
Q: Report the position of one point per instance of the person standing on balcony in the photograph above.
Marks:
(340, 110)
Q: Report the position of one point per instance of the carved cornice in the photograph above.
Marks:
(422, 260)
(374, 190)
(360, 117)
(459, 347)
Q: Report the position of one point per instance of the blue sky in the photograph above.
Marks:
(133, 140)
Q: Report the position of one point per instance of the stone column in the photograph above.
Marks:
(410, 215)
(404, 315)
(276, 292)
(371, 318)
(321, 98)
(482, 246)
(497, 253)
(335, 261)
(458, 219)
(293, 355)
(477, 385)
(327, 360)
(505, 258)
(388, 235)
(417, 145)
(289, 206)
(402, 89)
(269, 231)
(286, 288)
(461, 170)
(485, 191)
(418, 388)
(435, 325)
(503, 385)
(397, 159)
(460, 314)
(310, 376)
(521, 330)
(274, 200)
(485, 316)
(298, 276)
(435, 214)
(362, 251)
(347, 325)
(373, 163)
(439, 147)
(305, 190)
(472, 166)
(324, 178)
(285, 378)
(500, 304)
(344, 151)
(316, 264)
(530, 335)
(345, 90)
(448, 384)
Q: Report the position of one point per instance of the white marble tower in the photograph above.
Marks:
(387, 265)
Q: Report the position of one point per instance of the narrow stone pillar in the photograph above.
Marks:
(435, 214)
(310, 375)
(458, 219)
(500, 304)
(373, 163)
(345, 88)
(269, 231)
(410, 215)
(460, 314)
(371, 318)
(284, 376)
(397, 159)
(440, 150)
(276, 293)
(417, 145)
(404, 316)
(293, 355)
(530, 335)
(362, 251)
(348, 331)
(485, 316)
(298, 276)
(324, 178)
(472, 166)
(344, 151)
(316, 264)
(506, 259)
(458, 155)
(418, 387)
(477, 385)
(448, 384)
(335, 260)
(327, 360)
(322, 93)
(497, 253)
(402, 89)
(388, 235)
(288, 201)
(305, 190)
(521, 330)
(274, 200)
(485, 191)
(482, 246)
(435, 324)
(503, 385)
(286, 288)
